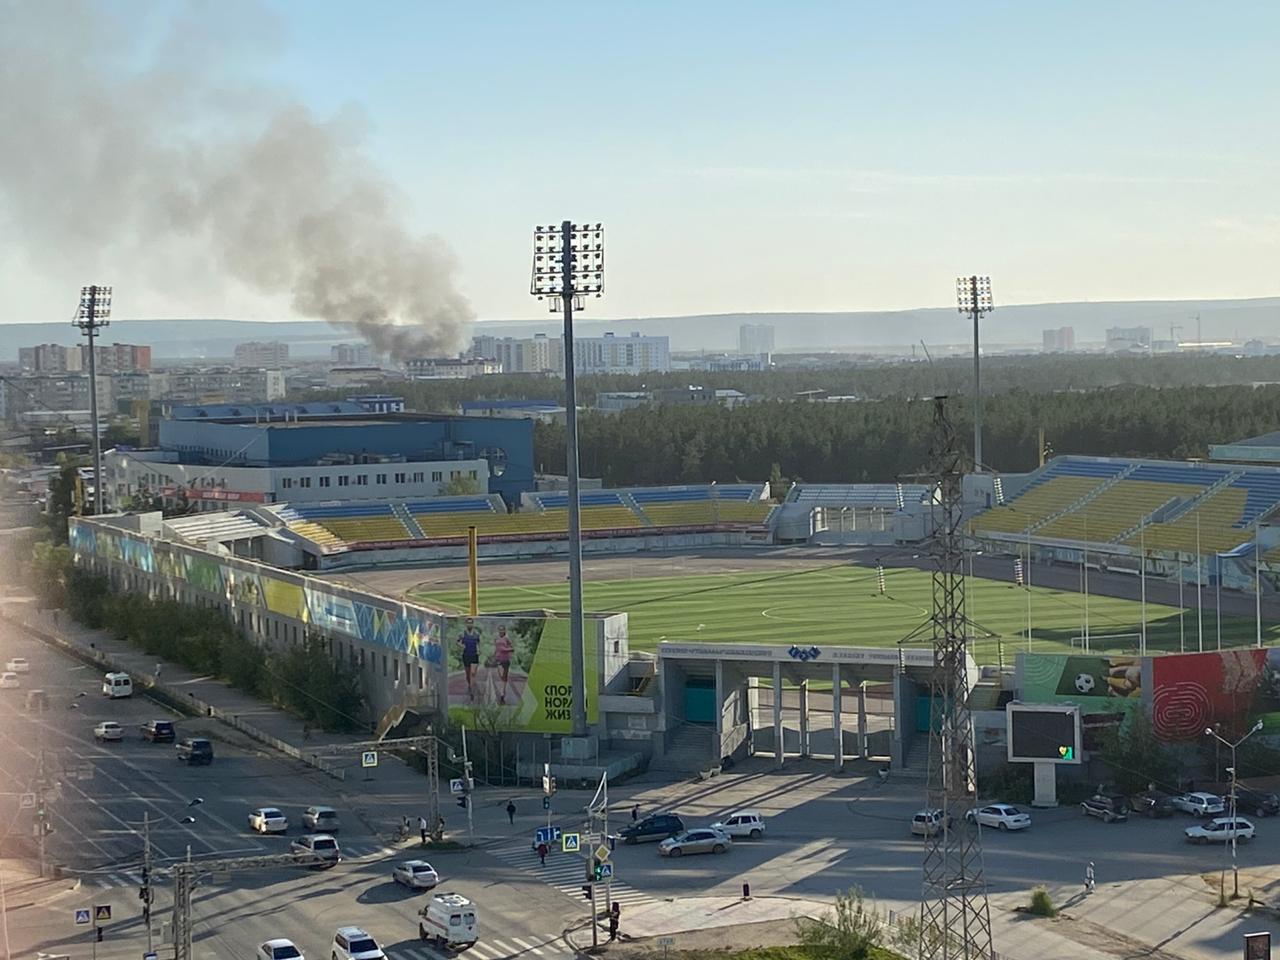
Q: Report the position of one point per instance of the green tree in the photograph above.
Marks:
(849, 932)
(460, 486)
(1136, 758)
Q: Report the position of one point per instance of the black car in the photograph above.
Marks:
(195, 750)
(1107, 807)
(1152, 803)
(656, 826)
(1257, 802)
(158, 731)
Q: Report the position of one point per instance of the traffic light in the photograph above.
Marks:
(99, 933)
(597, 870)
(462, 802)
(586, 891)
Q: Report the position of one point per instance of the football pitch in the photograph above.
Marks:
(842, 605)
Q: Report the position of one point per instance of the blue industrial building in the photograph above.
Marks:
(247, 438)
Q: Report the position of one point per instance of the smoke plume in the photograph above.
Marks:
(166, 154)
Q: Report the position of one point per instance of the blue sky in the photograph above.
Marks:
(810, 156)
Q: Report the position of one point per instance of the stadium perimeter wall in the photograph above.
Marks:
(403, 651)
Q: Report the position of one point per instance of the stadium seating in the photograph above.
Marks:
(350, 522)
(451, 516)
(1221, 521)
(677, 507)
(1063, 482)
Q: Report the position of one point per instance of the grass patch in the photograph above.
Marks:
(1042, 903)
(840, 605)
(794, 952)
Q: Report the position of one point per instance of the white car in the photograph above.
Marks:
(352, 943)
(702, 840)
(281, 949)
(9, 681)
(742, 823)
(323, 847)
(108, 730)
(18, 665)
(416, 875)
(926, 823)
(1199, 804)
(1002, 816)
(1220, 830)
(268, 820)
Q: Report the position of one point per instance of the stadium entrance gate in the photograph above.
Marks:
(725, 685)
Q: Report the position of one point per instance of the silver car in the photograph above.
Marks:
(320, 819)
(323, 847)
(702, 840)
(416, 875)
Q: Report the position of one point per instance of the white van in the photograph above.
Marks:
(448, 921)
(117, 685)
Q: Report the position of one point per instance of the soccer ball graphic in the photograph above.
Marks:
(1085, 682)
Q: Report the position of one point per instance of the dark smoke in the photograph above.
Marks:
(120, 152)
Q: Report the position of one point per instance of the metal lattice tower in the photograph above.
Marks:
(955, 919)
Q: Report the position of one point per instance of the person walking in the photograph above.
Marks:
(158, 666)
(1089, 884)
(542, 854)
(511, 811)
(503, 648)
(614, 916)
(635, 812)
(422, 829)
(440, 827)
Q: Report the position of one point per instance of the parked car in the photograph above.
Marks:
(416, 875)
(195, 751)
(280, 949)
(18, 665)
(1199, 804)
(352, 943)
(268, 820)
(159, 731)
(656, 826)
(108, 730)
(1002, 816)
(1220, 829)
(1107, 807)
(9, 681)
(320, 845)
(703, 840)
(320, 819)
(742, 823)
(1152, 803)
(926, 823)
(1258, 802)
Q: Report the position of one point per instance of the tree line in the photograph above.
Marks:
(888, 439)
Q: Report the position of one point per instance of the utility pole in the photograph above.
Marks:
(466, 794)
(42, 818)
(1235, 869)
(973, 297)
(955, 918)
(91, 316)
(1257, 580)
(568, 264)
(427, 744)
(146, 894)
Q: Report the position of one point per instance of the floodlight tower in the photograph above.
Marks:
(955, 919)
(973, 297)
(568, 264)
(92, 315)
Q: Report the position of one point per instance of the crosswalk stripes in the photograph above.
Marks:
(565, 872)
(490, 948)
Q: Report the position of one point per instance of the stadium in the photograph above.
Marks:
(725, 618)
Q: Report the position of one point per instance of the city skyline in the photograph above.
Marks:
(819, 159)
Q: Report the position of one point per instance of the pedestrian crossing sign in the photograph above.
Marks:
(369, 758)
(570, 842)
(101, 912)
(606, 871)
(82, 916)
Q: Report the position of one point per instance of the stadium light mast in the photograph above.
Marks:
(568, 264)
(973, 298)
(91, 316)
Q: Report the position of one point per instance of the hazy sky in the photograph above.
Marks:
(758, 156)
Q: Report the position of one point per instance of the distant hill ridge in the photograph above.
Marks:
(1016, 324)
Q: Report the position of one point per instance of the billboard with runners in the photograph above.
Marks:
(513, 673)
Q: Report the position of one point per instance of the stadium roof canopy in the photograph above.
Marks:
(1260, 449)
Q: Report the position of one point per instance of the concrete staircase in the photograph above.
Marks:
(690, 750)
(404, 516)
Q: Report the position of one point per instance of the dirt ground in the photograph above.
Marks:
(773, 933)
(399, 581)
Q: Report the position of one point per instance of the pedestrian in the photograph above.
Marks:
(1088, 878)
(635, 812)
(615, 915)
(511, 811)
(440, 827)
(542, 853)
(422, 829)
(404, 827)
(158, 666)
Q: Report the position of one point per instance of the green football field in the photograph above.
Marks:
(841, 605)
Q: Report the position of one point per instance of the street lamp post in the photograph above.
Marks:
(973, 298)
(92, 315)
(1235, 870)
(568, 264)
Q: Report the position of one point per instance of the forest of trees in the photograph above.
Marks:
(884, 440)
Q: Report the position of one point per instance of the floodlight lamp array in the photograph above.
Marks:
(586, 260)
(974, 294)
(95, 305)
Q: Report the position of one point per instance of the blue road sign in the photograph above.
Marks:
(82, 916)
(547, 835)
(606, 871)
